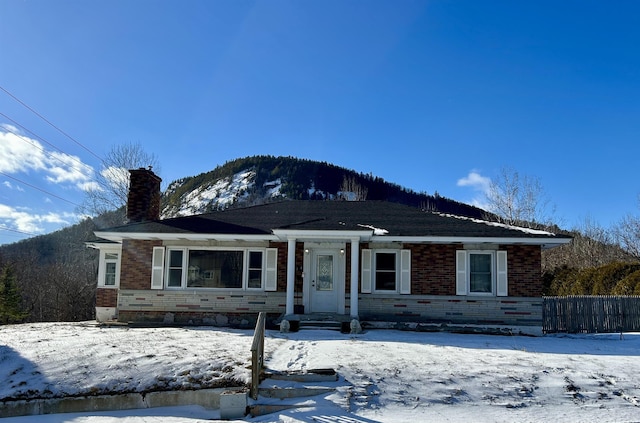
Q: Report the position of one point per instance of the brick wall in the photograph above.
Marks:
(143, 201)
(451, 309)
(200, 307)
(524, 270)
(106, 297)
(135, 269)
(433, 269)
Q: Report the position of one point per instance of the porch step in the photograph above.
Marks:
(321, 324)
(292, 389)
(306, 376)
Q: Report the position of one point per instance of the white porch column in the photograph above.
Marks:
(355, 265)
(291, 274)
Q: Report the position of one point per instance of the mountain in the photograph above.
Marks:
(262, 179)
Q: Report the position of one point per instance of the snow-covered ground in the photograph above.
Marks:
(385, 376)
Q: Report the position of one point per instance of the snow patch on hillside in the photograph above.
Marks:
(222, 193)
(274, 188)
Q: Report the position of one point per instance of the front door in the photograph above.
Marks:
(324, 281)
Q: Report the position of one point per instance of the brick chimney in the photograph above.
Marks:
(143, 202)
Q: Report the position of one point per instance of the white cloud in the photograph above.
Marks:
(19, 153)
(24, 221)
(480, 184)
(475, 181)
(11, 186)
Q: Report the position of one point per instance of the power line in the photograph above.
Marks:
(4, 228)
(46, 142)
(51, 124)
(39, 189)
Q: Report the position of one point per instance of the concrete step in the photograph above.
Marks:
(321, 324)
(282, 393)
(305, 376)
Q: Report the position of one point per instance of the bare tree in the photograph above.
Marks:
(627, 233)
(592, 246)
(112, 182)
(352, 190)
(518, 200)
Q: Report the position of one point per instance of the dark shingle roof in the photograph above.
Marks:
(397, 219)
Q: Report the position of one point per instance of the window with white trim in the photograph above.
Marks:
(386, 271)
(481, 272)
(109, 272)
(236, 269)
(385, 275)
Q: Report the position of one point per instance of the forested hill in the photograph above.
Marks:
(260, 179)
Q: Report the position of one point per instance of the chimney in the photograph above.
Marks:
(143, 202)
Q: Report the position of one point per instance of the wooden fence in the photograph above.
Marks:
(591, 314)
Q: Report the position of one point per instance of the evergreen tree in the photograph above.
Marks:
(10, 301)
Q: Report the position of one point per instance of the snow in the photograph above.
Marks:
(224, 192)
(274, 188)
(385, 375)
(376, 231)
(500, 225)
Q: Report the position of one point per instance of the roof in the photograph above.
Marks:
(364, 219)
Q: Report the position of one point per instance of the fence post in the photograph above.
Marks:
(257, 355)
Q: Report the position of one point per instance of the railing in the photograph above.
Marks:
(257, 355)
(591, 314)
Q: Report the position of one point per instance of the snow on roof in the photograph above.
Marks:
(376, 231)
(500, 225)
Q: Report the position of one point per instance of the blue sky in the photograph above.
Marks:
(425, 94)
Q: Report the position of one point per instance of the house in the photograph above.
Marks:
(371, 261)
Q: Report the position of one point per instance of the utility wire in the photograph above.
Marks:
(51, 124)
(4, 228)
(45, 141)
(40, 189)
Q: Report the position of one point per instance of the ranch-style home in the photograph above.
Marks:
(370, 261)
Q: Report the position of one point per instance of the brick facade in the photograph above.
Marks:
(433, 276)
(135, 272)
(143, 202)
(433, 269)
(106, 297)
(524, 270)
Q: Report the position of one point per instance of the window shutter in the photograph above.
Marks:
(365, 288)
(502, 289)
(461, 272)
(405, 272)
(157, 268)
(271, 270)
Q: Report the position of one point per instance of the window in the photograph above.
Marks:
(174, 277)
(255, 270)
(212, 268)
(481, 273)
(215, 269)
(109, 269)
(385, 275)
(386, 271)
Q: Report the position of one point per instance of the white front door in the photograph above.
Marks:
(325, 281)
